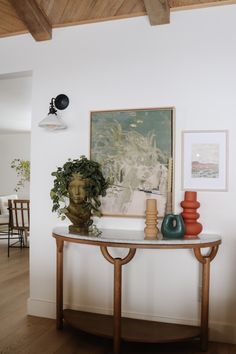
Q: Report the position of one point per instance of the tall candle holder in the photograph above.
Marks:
(151, 229)
(169, 187)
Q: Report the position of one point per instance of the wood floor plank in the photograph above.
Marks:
(22, 334)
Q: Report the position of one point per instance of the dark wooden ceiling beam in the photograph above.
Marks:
(158, 11)
(34, 18)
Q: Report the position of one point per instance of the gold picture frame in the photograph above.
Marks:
(135, 148)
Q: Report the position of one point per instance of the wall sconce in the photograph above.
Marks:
(52, 121)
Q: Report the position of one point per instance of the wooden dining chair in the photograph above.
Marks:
(19, 223)
(4, 215)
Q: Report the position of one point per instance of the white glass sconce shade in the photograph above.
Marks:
(52, 121)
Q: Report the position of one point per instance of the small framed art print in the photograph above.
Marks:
(204, 160)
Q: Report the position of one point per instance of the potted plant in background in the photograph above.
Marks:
(22, 168)
(78, 186)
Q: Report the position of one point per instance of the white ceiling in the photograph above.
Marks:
(15, 102)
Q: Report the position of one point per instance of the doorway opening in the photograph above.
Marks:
(15, 138)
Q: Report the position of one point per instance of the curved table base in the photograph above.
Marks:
(131, 329)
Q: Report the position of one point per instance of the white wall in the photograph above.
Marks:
(13, 146)
(189, 64)
(15, 102)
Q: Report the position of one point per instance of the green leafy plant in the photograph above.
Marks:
(96, 187)
(22, 168)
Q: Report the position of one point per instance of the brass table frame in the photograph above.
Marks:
(61, 236)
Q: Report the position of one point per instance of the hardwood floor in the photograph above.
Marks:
(22, 334)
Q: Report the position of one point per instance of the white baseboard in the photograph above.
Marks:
(219, 331)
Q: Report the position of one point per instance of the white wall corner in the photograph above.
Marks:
(40, 308)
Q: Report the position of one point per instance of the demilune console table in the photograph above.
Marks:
(127, 329)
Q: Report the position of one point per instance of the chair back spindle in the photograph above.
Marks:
(19, 219)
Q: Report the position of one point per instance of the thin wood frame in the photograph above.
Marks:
(205, 160)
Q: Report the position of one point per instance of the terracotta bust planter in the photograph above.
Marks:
(76, 212)
(80, 181)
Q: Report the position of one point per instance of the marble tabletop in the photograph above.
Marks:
(134, 237)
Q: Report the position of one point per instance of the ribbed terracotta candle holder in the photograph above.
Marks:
(151, 229)
(190, 215)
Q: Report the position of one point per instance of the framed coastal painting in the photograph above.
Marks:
(135, 150)
(204, 160)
